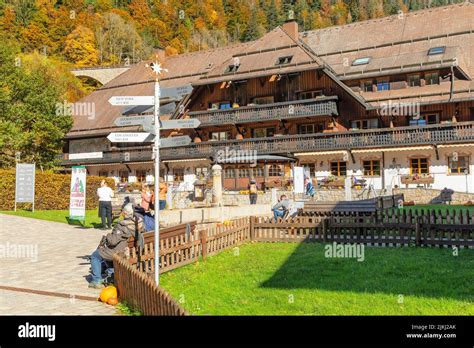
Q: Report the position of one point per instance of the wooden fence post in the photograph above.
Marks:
(251, 224)
(203, 236)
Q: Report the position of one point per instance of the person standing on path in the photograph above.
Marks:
(163, 190)
(105, 194)
(253, 191)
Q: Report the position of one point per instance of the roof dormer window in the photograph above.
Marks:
(361, 61)
(232, 68)
(284, 60)
(436, 50)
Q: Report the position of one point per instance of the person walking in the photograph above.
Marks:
(253, 191)
(105, 194)
(163, 190)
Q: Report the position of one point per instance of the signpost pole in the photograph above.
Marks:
(157, 179)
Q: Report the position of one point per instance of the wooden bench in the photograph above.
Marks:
(360, 207)
(166, 233)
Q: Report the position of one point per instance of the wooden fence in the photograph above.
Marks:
(183, 249)
(141, 292)
(393, 228)
(134, 269)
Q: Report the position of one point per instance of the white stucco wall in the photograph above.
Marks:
(397, 164)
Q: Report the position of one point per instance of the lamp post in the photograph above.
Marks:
(157, 70)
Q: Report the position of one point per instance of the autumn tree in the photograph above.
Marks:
(28, 120)
(118, 40)
(81, 47)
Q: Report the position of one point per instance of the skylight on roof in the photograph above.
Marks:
(436, 50)
(284, 60)
(232, 68)
(361, 61)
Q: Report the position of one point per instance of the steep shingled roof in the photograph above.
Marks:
(399, 40)
(395, 44)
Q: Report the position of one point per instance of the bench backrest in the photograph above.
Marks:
(168, 232)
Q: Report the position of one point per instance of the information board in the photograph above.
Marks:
(25, 183)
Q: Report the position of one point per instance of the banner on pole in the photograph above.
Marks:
(77, 200)
(298, 180)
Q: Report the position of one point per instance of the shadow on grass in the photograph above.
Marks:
(82, 224)
(407, 271)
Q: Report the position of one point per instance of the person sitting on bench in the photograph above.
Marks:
(281, 208)
(114, 242)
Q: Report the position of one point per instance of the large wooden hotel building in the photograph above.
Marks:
(389, 101)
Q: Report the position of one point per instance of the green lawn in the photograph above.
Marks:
(297, 279)
(440, 207)
(92, 219)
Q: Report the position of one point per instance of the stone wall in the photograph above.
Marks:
(431, 196)
(185, 200)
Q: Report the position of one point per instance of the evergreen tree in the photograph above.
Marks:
(273, 18)
(252, 32)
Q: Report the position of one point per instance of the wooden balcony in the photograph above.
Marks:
(269, 112)
(392, 137)
(349, 140)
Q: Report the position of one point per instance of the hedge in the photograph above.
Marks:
(51, 191)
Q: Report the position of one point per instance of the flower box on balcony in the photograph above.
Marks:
(417, 179)
(332, 182)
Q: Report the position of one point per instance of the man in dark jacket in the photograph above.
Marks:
(114, 242)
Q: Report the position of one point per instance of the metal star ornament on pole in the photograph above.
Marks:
(157, 70)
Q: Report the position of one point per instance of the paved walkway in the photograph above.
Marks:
(50, 257)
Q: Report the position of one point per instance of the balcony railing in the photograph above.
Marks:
(374, 138)
(392, 137)
(302, 108)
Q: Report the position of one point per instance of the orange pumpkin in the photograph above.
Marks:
(108, 292)
(112, 301)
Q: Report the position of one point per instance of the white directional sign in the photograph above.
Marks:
(175, 141)
(132, 100)
(174, 92)
(173, 124)
(133, 121)
(167, 109)
(177, 124)
(128, 137)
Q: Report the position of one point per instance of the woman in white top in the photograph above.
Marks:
(105, 194)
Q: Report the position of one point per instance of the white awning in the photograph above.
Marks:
(456, 145)
(186, 160)
(394, 149)
(319, 153)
